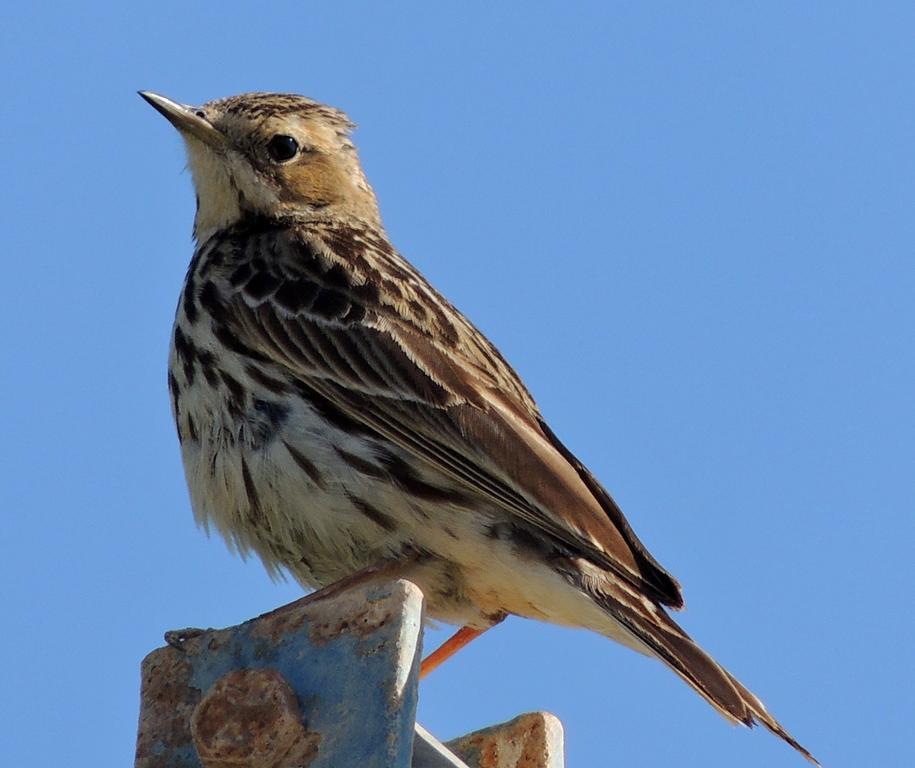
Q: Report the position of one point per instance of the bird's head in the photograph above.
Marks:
(269, 155)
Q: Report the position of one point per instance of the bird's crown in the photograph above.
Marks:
(269, 155)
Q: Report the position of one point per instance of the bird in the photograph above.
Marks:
(341, 419)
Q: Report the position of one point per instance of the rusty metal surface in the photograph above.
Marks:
(326, 684)
(429, 752)
(250, 718)
(533, 740)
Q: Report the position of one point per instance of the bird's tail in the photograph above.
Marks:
(650, 626)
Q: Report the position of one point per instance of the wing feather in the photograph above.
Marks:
(403, 362)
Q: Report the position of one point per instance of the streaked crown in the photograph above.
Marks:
(269, 155)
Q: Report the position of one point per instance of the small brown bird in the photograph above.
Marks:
(339, 417)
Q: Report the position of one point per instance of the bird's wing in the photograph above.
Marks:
(365, 335)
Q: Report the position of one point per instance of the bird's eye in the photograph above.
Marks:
(282, 148)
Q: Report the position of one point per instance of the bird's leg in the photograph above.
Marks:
(453, 644)
(447, 649)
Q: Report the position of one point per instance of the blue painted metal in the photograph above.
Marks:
(329, 683)
(352, 661)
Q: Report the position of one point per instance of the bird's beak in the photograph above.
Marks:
(186, 119)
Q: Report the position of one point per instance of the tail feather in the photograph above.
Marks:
(649, 624)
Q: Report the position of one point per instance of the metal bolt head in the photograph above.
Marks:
(250, 718)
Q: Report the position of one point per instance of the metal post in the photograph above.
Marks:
(325, 684)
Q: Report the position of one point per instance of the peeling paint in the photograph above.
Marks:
(316, 683)
(533, 740)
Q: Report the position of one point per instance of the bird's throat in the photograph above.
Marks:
(219, 201)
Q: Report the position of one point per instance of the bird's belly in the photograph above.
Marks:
(271, 479)
(313, 495)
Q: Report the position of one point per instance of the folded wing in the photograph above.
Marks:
(356, 325)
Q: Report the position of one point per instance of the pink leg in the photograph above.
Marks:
(452, 645)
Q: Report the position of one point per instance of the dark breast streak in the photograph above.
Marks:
(230, 276)
(315, 295)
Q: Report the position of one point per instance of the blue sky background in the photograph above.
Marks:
(689, 227)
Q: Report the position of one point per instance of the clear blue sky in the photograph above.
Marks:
(689, 228)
